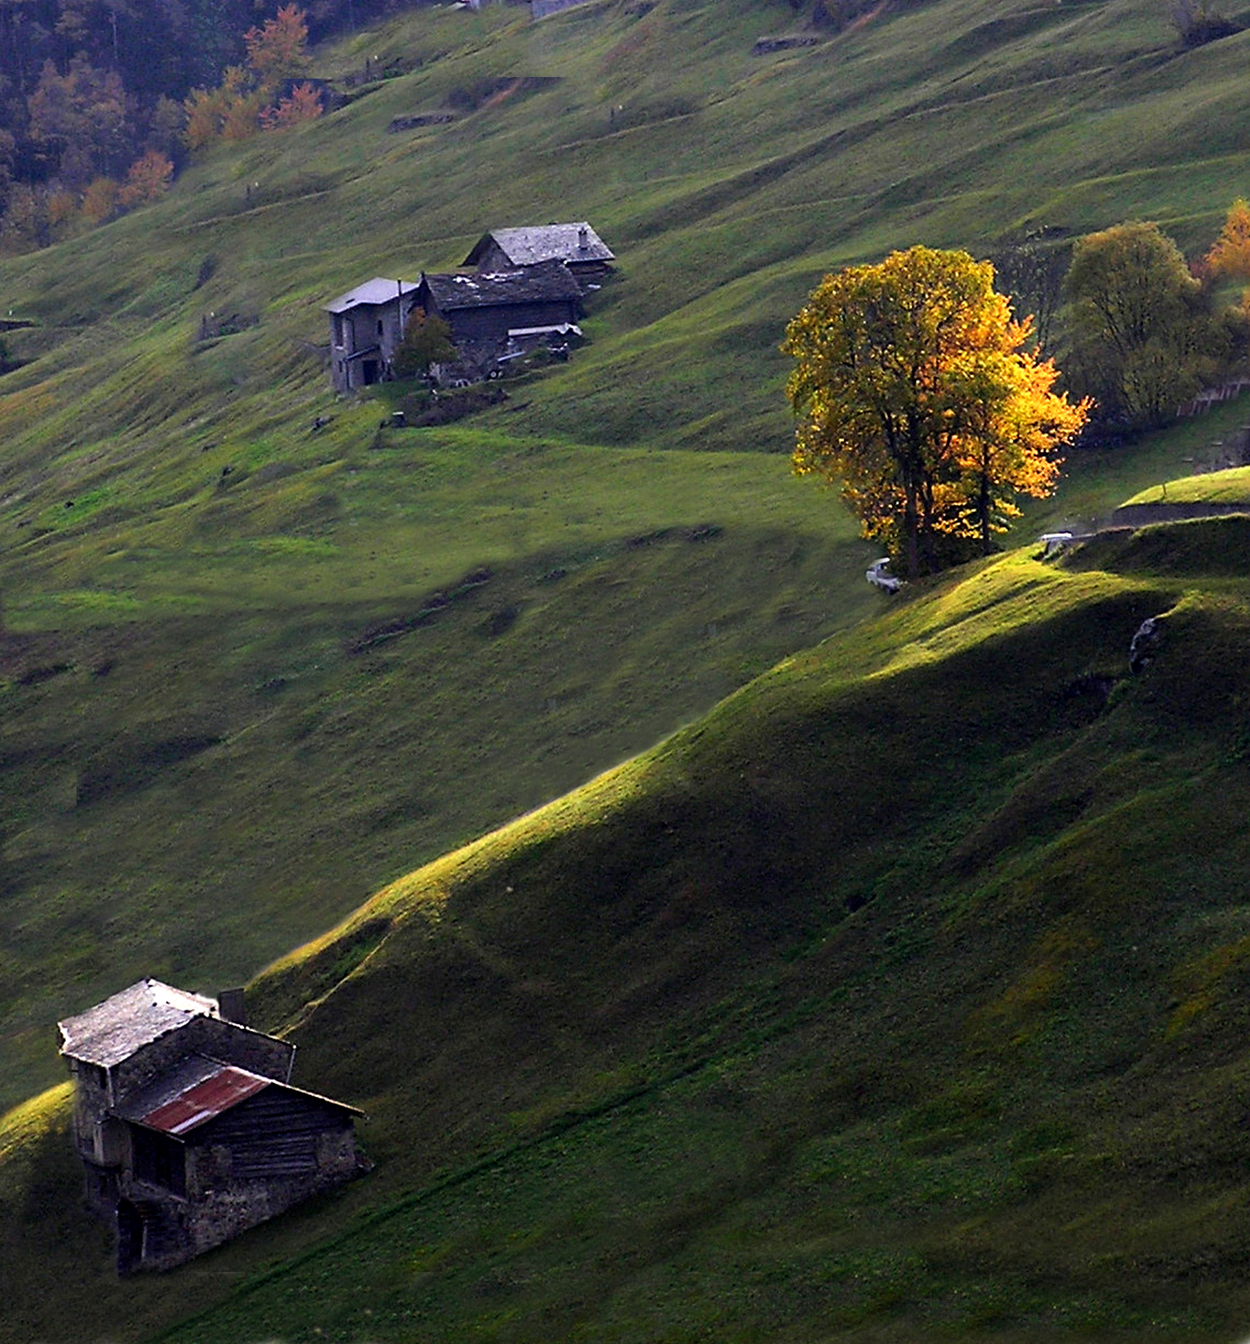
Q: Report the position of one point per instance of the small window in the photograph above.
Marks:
(379, 326)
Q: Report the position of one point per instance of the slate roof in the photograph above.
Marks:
(530, 284)
(130, 1019)
(198, 1090)
(375, 291)
(544, 242)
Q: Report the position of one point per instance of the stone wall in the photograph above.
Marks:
(223, 1206)
(224, 1041)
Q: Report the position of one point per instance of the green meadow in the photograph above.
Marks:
(897, 994)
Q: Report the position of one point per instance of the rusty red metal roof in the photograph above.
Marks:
(223, 1089)
(197, 1089)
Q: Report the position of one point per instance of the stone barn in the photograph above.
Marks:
(188, 1125)
(486, 311)
(577, 245)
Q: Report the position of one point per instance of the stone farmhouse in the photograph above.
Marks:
(366, 324)
(188, 1126)
(528, 289)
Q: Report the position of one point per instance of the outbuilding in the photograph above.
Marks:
(577, 245)
(188, 1126)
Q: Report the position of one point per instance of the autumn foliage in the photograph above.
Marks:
(278, 49)
(91, 88)
(917, 396)
(1230, 253)
(303, 103)
(247, 98)
(147, 180)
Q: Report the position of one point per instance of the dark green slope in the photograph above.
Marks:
(902, 995)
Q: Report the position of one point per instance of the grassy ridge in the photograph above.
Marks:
(985, 990)
(823, 1016)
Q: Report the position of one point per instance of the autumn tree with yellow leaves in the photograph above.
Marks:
(1230, 253)
(915, 394)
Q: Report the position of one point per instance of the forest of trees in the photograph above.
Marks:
(95, 97)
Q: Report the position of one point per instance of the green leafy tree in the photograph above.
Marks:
(1140, 324)
(427, 340)
(917, 396)
(1030, 266)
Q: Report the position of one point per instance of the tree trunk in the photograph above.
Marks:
(911, 533)
(983, 512)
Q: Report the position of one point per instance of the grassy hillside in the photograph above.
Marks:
(968, 1053)
(828, 1012)
(1231, 486)
(198, 782)
(901, 996)
(187, 568)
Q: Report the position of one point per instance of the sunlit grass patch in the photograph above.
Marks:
(32, 1120)
(1231, 486)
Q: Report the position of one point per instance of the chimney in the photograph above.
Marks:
(230, 1006)
(583, 237)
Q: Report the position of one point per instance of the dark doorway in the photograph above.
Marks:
(129, 1238)
(369, 368)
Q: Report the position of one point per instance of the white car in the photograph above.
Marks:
(878, 574)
